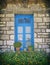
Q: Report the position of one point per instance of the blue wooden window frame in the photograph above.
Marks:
(24, 20)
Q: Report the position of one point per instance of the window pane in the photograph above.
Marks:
(20, 20)
(20, 29)
(28, 37)
(20, 37)
(27, 20)
(28, 29)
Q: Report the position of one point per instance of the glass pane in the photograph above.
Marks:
(27, 20)
(20, 37)
(20, 20)
(20, 29)
(28, 29)
(28, 37)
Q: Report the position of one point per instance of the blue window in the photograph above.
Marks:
(24, 29)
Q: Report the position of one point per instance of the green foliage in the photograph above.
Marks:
(3, 4)
(47, 3)
(30, 48)
(23, 58)
(17, 44)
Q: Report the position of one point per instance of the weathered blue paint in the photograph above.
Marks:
(24, 20)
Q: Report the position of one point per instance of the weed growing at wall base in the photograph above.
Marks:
(23, 58)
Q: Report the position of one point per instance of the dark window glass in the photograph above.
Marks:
(27, 20)
(20, 20)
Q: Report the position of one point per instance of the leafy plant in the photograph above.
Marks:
(23, 58)
(17, 44)
(30, 48)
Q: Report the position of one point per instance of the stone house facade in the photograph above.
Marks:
(41, 27)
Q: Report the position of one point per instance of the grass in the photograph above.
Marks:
(23, 58)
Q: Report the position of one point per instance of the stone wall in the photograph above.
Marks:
(7, 31)
(41, 30)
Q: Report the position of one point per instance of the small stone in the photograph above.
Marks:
(1, 42)
(12, 37)
(10, 42)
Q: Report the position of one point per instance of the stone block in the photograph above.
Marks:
(2, 22)
(5, 19)
(44, 40)
(5, 37)
(46, 19)
(38, 40)
(10, 42)
(2, 15)
(42, 27)
(35, 25)
(40, 46)
(35, 35)
(43, 30)
(38, 49)
(37, 30)
(5, 42)
(9, 15)
(10, 32)
(48, 30)
(8, 46)
(45, 46)
(4, 47)
(1, 31)
(5, 28)
(35, 45)
(35, 14)
(38, 19)
(12, 37)
(47, 23)
(48, 50)
(41, 24)
(2, 25)
(7, 49)
(12, 48)
(47, 15)
(10, 23)
(43, 35)
(12, 28)
(5, 32)
(47, 40)
(0, 47)
(1, 42)
(12, 19)
(41, 15)
(9, 6)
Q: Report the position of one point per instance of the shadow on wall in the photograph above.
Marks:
(49, 29)
(1, 31)
(49, 39)
(3, 4)
(0, 34)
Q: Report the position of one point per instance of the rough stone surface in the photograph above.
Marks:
(38, 19)
(10, 32)
(12, 37)
(9, 15)
(12, 48)
(10, 42)
(1, 42)
(47, 30)
(10, 23)
(46, 19)
(41, 31)
(38, 40)
(5, 37)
